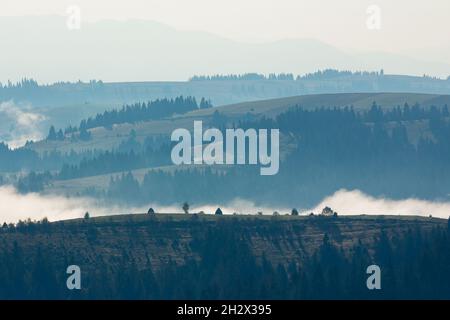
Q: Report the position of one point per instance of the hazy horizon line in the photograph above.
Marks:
(51, 83)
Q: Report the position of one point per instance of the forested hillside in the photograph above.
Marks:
(221, 89)
(223, 257)
(382, 152)
(64, 103)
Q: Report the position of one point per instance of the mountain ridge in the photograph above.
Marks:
(143, 50)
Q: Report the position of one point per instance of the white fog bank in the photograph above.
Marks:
(15, 206)
(355, 202)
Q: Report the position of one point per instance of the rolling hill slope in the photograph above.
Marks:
(106, 139)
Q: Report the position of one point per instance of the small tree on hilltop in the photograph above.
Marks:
(185, 207)
(86, 215)
(219, 211)
(151, 211)
(294, 212)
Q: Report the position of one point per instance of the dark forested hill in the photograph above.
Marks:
(205, 256)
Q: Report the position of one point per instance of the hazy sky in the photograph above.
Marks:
(405, 24)
(399, 36)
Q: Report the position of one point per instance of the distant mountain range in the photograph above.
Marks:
(42, 47)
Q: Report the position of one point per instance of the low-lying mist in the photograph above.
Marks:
(356, 202)
(16, 206)
(21, 123)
